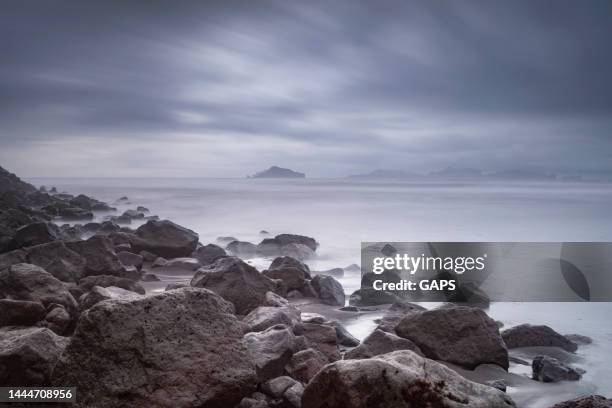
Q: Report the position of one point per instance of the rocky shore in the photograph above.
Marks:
(74, 312)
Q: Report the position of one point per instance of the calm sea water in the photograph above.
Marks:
(342, 213)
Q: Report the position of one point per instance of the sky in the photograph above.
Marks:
(228, 88)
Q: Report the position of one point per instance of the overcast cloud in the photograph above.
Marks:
(227, 88)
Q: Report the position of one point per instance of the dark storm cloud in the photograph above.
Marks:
(328, 87)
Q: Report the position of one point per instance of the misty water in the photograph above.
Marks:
(340, 213)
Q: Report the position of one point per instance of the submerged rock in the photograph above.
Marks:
(463, 335)
(242, 249)
(186, 342)
(297, 251)
(549, 369)
(401, 379)
(526, 335)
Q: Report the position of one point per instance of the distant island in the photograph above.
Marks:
(278, 172)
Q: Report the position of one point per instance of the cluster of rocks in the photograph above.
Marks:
(296, 246)
(74, 314)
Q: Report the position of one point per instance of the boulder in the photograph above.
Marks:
(35, 234)
(286, 239)
(463, 335)
(130, 259)
(329, 290)
(579, 339)
(272, 299)
(401, 379)
(236, 281)
(264, 317)
(322, 338)
(27, 356)
(11, 258)
(591, 401)
(208, 254)
(292, 272)
(20, 312)
(271, 350)
(380, 342)
(268, 247)
(297, 251)
(526, 335)
(241, 248)
(98, 294)
(100, 257)
(165, 238)
(305, 364)
(549, 369)
(32, 283)
(285, 391)
(59, 260)
(371, 297)
(185, 342)
(87, 283)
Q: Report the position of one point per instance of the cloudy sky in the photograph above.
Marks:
(227, 88)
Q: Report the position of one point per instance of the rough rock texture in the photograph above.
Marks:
(271, 350)
(329, 290)
(35, 234)
(20, 312)
(27, 356)
(87, 283)
(59, 260)
(527, 335)
(462, 335)
(591, 401)
(130, 259)
(401, 379)
(100, 256)
(292, 272)
(380, 342)
(236, 281)
(396, 312)
(32, 283)
(305, 364)
(98, 294)
(549, 369)
(165, 238)
(322, 338)
(180, 348)
(208, 254)
(267, 316)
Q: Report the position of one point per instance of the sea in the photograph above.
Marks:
(342, 213)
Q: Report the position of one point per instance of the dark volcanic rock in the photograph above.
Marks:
(268, 247)
(186, 342)
(208, 254)
(166, 239)
(297, 251)
(286, 239)
(59, 260)
(591, 401)
(27, 356)
(20, 312)
(30, 282)
(322, 338)
(401, 379)
(329, 290)
(549, 369)
(100, 257)
(271, 350)
(130, 259)
(98, 294)
(380, 342)
(267, 316)
(527, 335)
(241, 248)
(35, 234)
(10, 182)
(462, 335)
(292, 272)
(305, 364)
(236, 281)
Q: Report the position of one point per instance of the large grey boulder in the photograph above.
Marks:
(323, 338)
(305, 364)
(401, 379)
(526, 335)
(263, 317)
(32, 283)
(59, 260)
(236, 281)
(329, 290)
(380, 342)
(178, 348)
(100, 256)
(208, 254)
(292, 272)
(27, 356)
(165, 238)
(463, 335)
(271, 350)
